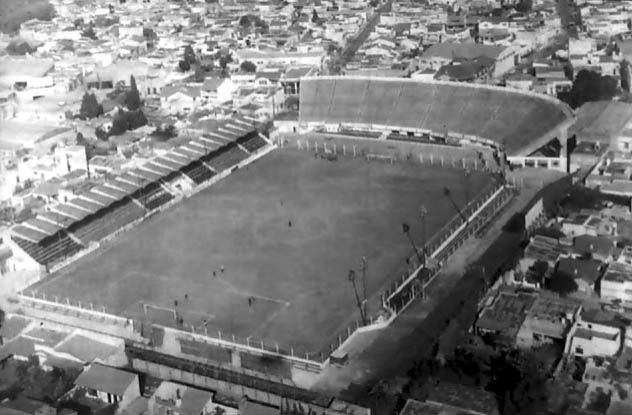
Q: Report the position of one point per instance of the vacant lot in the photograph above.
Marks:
(15, 12)
(286, 230)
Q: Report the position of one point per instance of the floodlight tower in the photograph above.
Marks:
(352, 278)
(363, 266)
(422, 214)
(406, 230)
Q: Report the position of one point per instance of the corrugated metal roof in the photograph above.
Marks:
(28, 233)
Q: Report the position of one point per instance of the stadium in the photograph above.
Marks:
(261, 253)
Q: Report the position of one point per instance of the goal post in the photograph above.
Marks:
(379, 157)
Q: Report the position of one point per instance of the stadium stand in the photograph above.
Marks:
(252, 142)
(153, 196)
(205, 351)
(107, 221)
(198, 172)
(513, 118)
(270, 365)
(226, 157)
(45, 249)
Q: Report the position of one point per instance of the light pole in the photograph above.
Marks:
(422, 213)
(352, 279)
(406, 230)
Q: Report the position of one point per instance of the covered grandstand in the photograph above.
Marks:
(520, 121)
(57, 235)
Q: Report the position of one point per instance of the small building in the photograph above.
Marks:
(548, 320)
(27, 407)
(108, 384)
(177, 399)
(598, 247)
(504, 315)
(585, 272)
(616, 283)
(589, 225)
(217, 90)
(463, 399)
(542, 248)
(593, 339)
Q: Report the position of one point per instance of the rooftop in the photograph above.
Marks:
(106, 379)
(464, 397)
(506, 314)
(618, 272)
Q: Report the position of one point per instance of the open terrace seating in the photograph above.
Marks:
(513, 118)
(417, 139)
(153, 196)
(253, 143)
(198, 172)
(226, 157)
(51, 249)
(107, 221)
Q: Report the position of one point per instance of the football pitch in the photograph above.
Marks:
(266, 252)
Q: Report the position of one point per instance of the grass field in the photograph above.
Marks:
(340, 211)
(15, 12)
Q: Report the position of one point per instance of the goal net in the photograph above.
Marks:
(379, 157)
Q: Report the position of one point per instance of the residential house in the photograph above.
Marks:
(504, 315)
(441, 54)
(177, 399)
(217, 90)
(463, 399)
(179, 99)
(601, 248)
(587, 338)
(616, 283)
(479, 69)
(547, 320)
(585, 272)
(542, 248)
(108, 384)
(27, 406)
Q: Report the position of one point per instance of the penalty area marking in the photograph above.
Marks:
(241, 293)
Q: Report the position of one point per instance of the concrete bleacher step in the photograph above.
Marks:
(243, 148)
(74, 238)
(208, 166)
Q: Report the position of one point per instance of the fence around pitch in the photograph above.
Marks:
(408, 289)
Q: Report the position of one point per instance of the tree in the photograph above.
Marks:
(524, 6)
(149, 34)
(315, 18)
(247, 66)
(244, 21)
(538, 271)
(199, 74)
(189, 55)
(625, 75)
(89, 32)
(184, 66)
(90, 107)
(563, 284)
(132, 97)
(590, 86)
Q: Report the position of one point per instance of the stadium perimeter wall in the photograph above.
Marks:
(558, 130)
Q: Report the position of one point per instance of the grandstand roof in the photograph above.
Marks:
(87, 205)
(209, 142)
(229, 133)
(99, 199)
(72, 211)
(57, 218)
(43, 226)
(179, 158)
(128, 187)
(192, 150)
(601, 121)
(220, 137)
(163, 171)
(172, 165)
(28, 233)
(205, 144)
(147, 174)
(519, 120)
(130, 178)
(116, 194)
